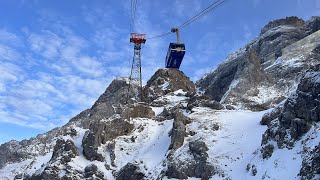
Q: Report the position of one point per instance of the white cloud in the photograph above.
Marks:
(47, 44)
(89, 66)
(10, 74)
(10, 38)
(30, 106)
(8, 53)
(23, 120)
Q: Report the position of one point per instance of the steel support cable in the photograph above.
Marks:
(160, 35)
(131, 16)
(200, 13)
(134, 12)
(205, 13)
(211, 7)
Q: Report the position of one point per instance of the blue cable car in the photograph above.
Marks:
(175, 52)
(175, 55)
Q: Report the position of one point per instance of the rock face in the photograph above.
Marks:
(299, 113)
(288, 124)
(102, 131)
(203, 101)
(198, 167)
(311, 164)
(130, 172)
(91, 171)
(63, 152)
(15, 151)
(179, 129)
(116, 93)
(165, 81)
(138, 110)
(289, 21)
(263, 74)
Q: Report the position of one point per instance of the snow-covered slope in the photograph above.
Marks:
(224, 132)
(233, 139)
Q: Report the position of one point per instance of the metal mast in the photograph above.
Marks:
(135, 75)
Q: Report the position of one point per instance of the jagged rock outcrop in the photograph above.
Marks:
(136, 110)
(165, 81)
(311, 164)
(178, 132)
(299, 113)
(203, 101)
(91, 172)
(313, 25)
(116, 93)
(197, 167)
(130, 172)
(102, 131)
(63, 152)
(266, 71)
(14, 151)
(292, 21)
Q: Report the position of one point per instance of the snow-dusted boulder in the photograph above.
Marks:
(165, 81)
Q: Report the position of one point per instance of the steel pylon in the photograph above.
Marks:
(136, 74)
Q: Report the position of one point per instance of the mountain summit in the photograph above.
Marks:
(255, 117)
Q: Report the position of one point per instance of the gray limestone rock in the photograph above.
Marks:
(63, 152)
(102, 131)
(299, 113)
(292, 21)
(267, 151)
(178, 132)
(165, 81)
(311, 164)
(198, 167)
(116, 93)
(268, 117)
(203, 101)
(91, 172)
(136, 110)
(262, 65)
(130, 172)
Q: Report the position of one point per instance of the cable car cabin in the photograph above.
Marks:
(175, 55)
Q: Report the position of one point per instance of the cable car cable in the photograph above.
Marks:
(196, 17)
(160, 35)
(131, 16)
(205, 11)
(200, 13)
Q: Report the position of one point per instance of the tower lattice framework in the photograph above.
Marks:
(136, 73)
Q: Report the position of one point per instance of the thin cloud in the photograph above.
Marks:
(8, 54)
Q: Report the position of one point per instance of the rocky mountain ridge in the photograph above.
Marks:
(268, 69)
(261, 103)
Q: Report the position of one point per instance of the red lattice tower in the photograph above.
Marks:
(135, 75)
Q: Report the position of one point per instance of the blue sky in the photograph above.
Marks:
(57, 57)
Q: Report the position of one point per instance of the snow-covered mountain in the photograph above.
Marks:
(255, 117)
(267, 70)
